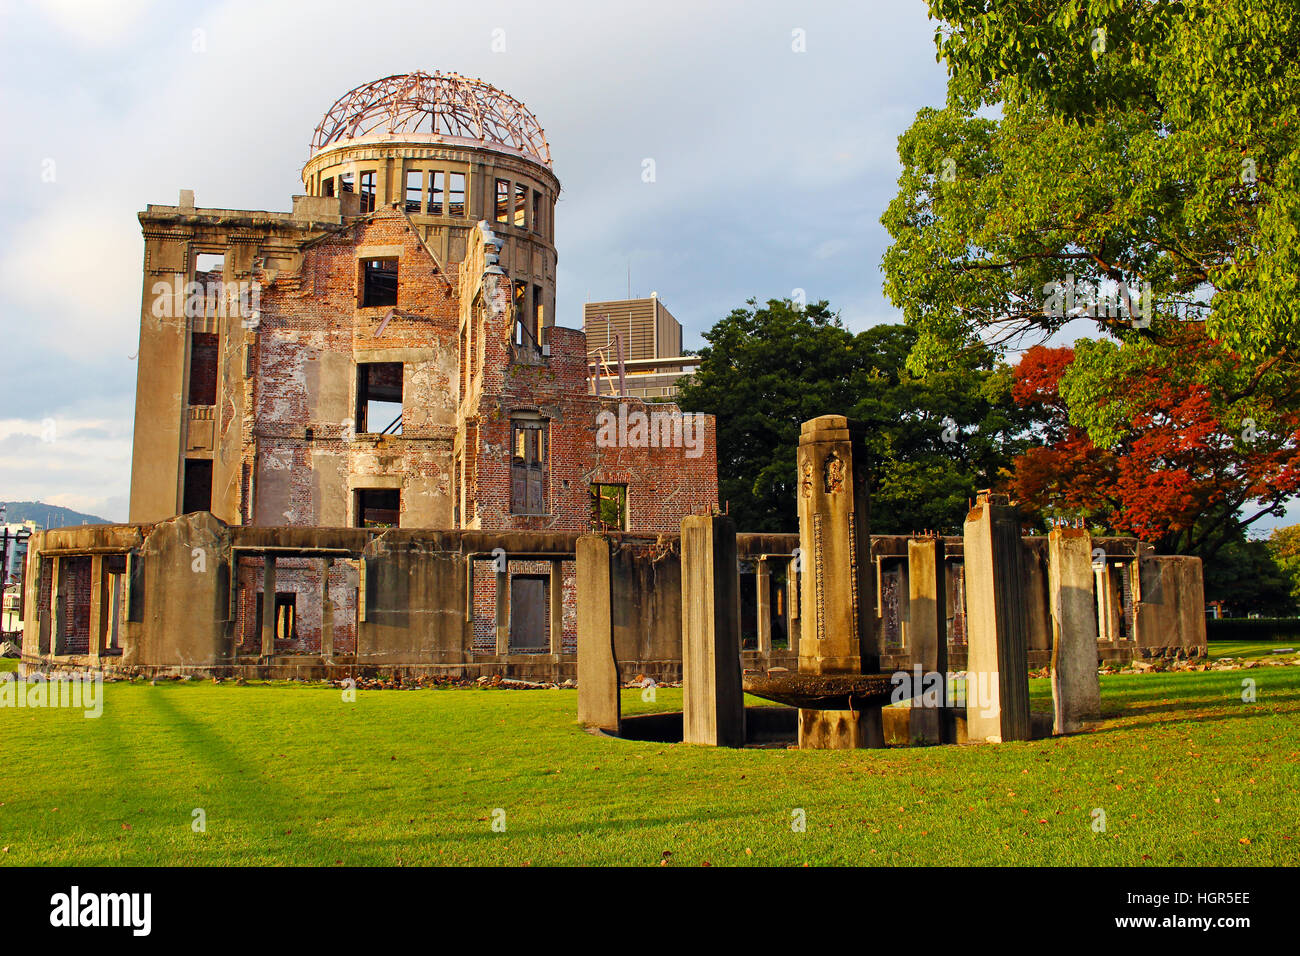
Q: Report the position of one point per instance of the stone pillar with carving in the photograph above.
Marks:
(838, 635)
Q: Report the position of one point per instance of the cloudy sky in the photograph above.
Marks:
(773, 165)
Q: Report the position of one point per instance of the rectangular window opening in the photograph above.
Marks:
(456, 195)
(609, 507)
(414, 183)
(378, 282)
(436, 189)
(198, 485)
(327, 187)
(379, 398)
(203, 368)
(528, 467)
(345, 183)
(537, 211)
(521, 204)
(378, 507)
(502, 211)
(367, 190)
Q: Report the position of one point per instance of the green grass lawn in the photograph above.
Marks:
(1251, 650)
(1185, 772)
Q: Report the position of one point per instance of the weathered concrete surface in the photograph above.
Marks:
(1170, 619)
(927, 631)
(840, 730)
(185, 594)
(713, 705)
(415, 605)
(598, 680)
(1076, 688)
(997, 681)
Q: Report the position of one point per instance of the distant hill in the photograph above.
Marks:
(48, 516)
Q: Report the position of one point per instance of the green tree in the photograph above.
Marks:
(1284, 543)
(1098, 142)
(1246, 576)
(931, 443)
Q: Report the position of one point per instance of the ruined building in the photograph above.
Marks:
(385, 355)
(363, 442)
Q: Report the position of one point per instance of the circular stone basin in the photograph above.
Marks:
(824, 691)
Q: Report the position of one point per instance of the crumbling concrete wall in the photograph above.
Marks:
(1170, 618)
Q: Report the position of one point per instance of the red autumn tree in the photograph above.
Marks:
(1173, 438)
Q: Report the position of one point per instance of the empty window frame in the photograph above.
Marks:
(345, 182)
(414, 185)
(609, 507)
(537, 211)
(203, 368)
(327, 187)
(528, 466)
(456, 195)
(367, 190)
(197, 494)
(437, 189)
(502, 211)
(521, 204)
(286, 615)
(378, 282)
(379, 398)
(539, 312)
(524, 334)
(378, 507)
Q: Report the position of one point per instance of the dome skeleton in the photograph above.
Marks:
(434, 106)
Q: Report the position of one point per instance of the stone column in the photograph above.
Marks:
(97, 615)
(997, 672)
(1076, 690)
(268, 606)
(927, 634)
(598, 702)
(763, 606)
(56, 606)
(839, 630)
(503, 612)
(713, 704)
(326, 614)
(792, 606)
(557, 609)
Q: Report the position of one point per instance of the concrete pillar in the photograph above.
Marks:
(557, 609)
(763, 606)
(326, 614)
(927, 635)
(839, 630)
(56, 606)
(598, 702)
(1105, 600)
(713, 704)
(97, 615)
(503, 612)
(1076, 690)
(792, 606)
(268, 606)
(997, 671)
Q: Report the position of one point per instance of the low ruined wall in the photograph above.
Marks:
(185, 593)
(1170, 619)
